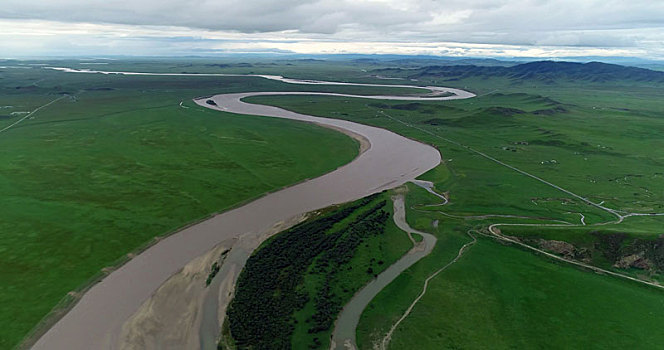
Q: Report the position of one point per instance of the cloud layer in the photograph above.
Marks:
(636, 26)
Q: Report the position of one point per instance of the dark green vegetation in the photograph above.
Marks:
(117, 162)
(293, 287)
(590, 129)
(213, 272)
(216, 266)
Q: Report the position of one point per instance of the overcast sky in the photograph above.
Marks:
(494, 28)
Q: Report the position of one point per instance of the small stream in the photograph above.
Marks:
(343, 336)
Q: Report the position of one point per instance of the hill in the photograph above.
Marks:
(544, 71)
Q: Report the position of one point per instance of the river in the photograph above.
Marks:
(95, 322)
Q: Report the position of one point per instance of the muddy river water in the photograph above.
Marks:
(96, 321)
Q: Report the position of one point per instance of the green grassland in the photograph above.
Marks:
(117, 162)
(600, 141)
(585, 151)
(289, 298)
(510, 299)
(504, 296)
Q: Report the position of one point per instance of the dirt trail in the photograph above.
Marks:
(496, 233)
(32, 113)
(429, 186)
(386, 340)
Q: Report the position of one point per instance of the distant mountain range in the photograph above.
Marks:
(428, 60)
(544, 71)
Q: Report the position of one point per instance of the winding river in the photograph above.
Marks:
(95, 322)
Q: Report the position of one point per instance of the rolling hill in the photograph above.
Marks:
(543, 71)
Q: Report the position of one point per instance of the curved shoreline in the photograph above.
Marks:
(95, 322)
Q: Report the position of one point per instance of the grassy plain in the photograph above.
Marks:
(510, 298)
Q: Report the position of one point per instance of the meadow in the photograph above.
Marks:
(597, 141)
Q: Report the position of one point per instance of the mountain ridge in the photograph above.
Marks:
(544, 71)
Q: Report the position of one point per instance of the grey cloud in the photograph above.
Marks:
(328, 16)
(317, 16)
(578, 23)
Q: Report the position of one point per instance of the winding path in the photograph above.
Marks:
(497, 234)
(388, 337)
(32, 113)
(391, 160)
